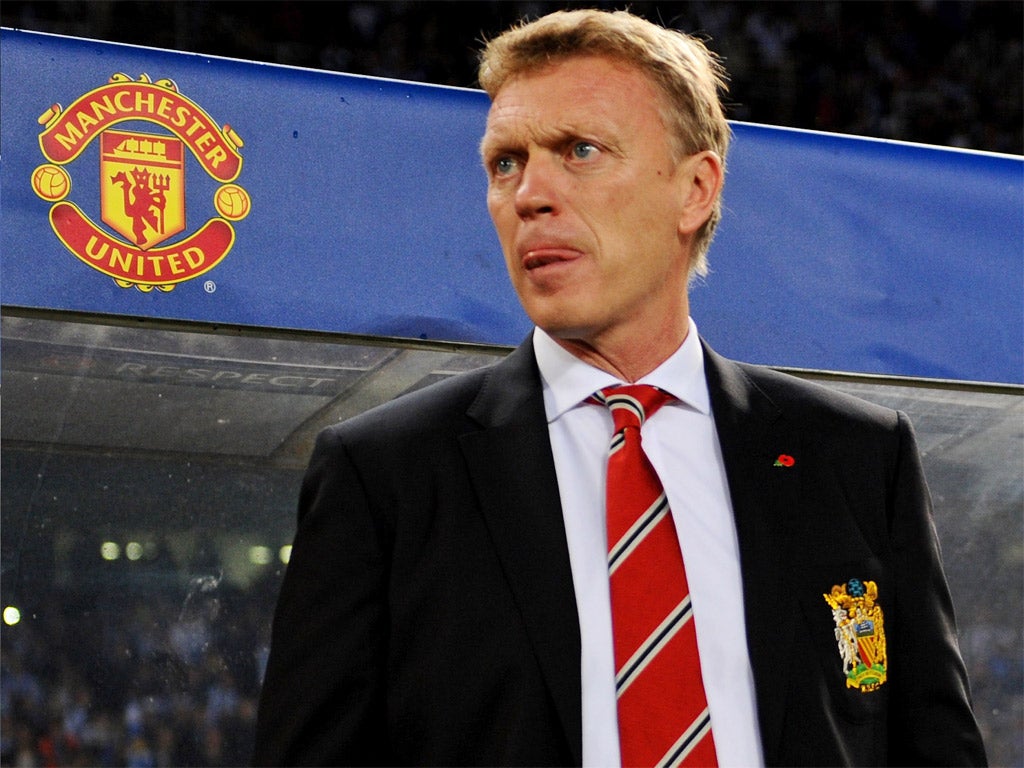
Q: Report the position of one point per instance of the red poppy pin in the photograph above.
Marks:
(784, 460)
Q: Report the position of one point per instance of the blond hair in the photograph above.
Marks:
(681, 66)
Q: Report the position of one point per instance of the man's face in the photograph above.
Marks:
(586, 199)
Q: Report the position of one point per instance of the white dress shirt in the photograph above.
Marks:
(681, 442)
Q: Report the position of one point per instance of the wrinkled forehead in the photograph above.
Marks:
(571, 94)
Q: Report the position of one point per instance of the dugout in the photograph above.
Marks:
(329, 249)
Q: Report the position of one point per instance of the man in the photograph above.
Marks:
(448, 597)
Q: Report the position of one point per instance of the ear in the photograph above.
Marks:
(701, 178)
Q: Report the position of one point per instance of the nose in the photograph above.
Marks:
(537, 193)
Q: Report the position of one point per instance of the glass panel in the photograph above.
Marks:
(149, 487)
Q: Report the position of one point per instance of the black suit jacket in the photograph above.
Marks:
(427, 616)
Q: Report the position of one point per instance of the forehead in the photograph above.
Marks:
(591, 92)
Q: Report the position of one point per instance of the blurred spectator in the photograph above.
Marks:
(163, 710)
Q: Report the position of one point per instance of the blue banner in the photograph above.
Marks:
(154, 184)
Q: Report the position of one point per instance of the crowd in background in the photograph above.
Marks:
(136, 676)
(929, 71)
(159, 678)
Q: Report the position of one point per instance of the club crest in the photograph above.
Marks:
(143, 239)
(860, 633)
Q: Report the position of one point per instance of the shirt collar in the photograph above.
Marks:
(568, 381)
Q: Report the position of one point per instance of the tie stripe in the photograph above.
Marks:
(663, 712)
(653, 645)
(635, 535)
(690, 739)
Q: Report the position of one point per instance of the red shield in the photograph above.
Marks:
(142, 186)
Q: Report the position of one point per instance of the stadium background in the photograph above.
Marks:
(947, 73)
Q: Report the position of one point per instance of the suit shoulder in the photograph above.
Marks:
(797, 396)
(433, 405)
(489, 395)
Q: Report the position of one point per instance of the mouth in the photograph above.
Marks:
(544, 256)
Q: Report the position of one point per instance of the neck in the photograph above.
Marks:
(631, 359)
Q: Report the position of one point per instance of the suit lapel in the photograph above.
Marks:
(753, 436)
(514, 477)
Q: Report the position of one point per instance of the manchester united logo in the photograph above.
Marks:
(144, 240)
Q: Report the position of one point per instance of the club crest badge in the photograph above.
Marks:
(143, 240)
(860, 633)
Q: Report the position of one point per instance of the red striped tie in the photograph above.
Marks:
(663, 711)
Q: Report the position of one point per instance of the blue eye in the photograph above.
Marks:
(583, 150)
(504, 165)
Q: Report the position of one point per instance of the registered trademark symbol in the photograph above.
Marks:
(209, 286)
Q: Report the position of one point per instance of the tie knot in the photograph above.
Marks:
(632, 404)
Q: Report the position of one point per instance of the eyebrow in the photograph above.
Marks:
(549, 136)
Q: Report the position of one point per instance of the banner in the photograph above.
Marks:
(153, 184)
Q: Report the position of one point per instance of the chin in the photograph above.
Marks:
(561, 319)
(564, 329)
